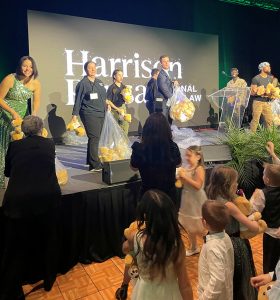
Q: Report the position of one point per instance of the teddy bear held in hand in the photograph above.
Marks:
(246, 208)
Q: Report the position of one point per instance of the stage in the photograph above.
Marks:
(73, 157)
(92, 214)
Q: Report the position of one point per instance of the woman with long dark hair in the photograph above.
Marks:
(15, 91)
(159, 250)
(157, 156)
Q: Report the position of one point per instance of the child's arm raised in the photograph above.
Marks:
(237, 214)
(182, 275)
(271, 150)
(196, 182)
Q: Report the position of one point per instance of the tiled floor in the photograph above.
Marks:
(99, 281)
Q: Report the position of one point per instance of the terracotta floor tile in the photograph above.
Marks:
(54, 294)
(99, 281)
(77, 287)
(95, 296)
(71, 275)
(119, 263)
(104, 275)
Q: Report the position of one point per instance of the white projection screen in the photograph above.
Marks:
(61, 44)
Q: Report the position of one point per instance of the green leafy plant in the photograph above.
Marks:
(247, 147)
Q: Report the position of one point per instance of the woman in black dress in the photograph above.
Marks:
(157, 156)
(30, 205)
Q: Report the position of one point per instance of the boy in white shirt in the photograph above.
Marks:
(216, 260)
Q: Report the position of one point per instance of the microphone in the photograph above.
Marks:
(224, 73)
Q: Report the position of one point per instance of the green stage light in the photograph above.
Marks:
(273, 5)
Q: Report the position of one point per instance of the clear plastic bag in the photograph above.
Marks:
(113, 143)
(181, 108)
(61, 172)
(191, 141)
(181, 133)
(71, 138)
(275, 107)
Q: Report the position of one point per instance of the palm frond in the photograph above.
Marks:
(246, 146)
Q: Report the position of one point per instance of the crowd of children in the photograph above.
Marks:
(226, 268)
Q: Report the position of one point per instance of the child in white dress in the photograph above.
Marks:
(159, 251)
(193, 196)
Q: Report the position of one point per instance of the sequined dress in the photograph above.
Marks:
(16, 98)
(244, 267)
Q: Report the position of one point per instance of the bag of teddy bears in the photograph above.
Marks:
(181, 108)
(61, 172)
(113, 143)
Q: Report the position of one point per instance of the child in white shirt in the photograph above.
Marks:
(216, 260)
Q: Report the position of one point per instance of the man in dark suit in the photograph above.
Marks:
(30, 207)
(152, 91)
(165, 85)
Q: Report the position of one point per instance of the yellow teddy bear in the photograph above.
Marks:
(246, 208)
(17, 133)
(261, 90)
(129, 235)
(272, 91)
(76, 126)
(127, 94)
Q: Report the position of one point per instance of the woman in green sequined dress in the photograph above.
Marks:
(15, 90)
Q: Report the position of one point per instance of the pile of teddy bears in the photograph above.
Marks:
(119, 152)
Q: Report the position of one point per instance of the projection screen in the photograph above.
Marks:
(61, 44)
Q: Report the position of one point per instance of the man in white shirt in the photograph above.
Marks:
(216, 260)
